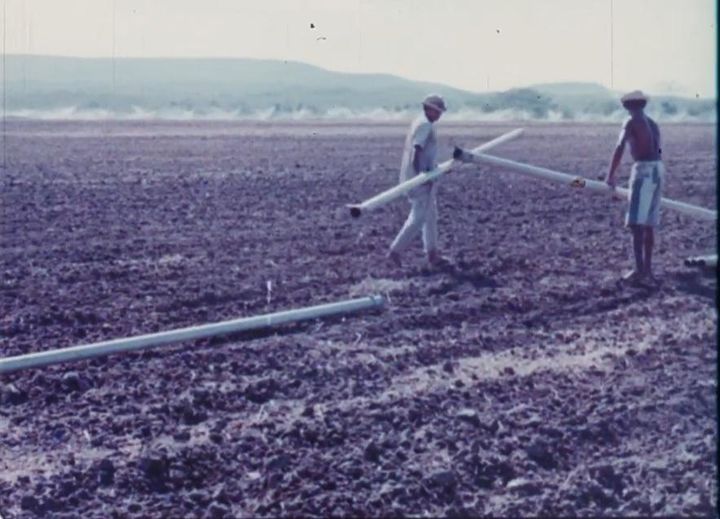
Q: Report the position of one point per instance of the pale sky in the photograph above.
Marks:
(657, 45)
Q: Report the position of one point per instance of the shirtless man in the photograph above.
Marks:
(419, 156)
(646, 181)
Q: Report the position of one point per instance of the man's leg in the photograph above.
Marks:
(412, 226)
(649, 243)
(430, 229)
(653, 220)
(637, 232)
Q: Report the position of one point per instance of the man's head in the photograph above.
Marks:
(434, 106)
(634, 101)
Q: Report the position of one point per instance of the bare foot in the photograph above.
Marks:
(652, 279)
(394, 257)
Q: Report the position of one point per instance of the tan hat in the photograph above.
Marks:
(435, 101)
(635, 95)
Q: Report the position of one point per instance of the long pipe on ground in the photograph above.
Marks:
(709, 261)
(98, 349)
(391, 194)
(577, 181)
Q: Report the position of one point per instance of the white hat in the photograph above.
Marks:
(435, 101)
(635, 95)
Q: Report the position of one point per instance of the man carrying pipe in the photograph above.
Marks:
(379, 200)
(646, 181)
(419, 156)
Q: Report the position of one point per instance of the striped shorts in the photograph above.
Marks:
(646, 181)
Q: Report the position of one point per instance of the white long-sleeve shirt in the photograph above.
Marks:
(421, 133)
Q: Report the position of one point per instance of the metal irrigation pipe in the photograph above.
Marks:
(98, 349)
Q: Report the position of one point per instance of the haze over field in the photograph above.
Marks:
(47, 87)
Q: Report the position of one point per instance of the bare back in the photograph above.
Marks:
(643, 136)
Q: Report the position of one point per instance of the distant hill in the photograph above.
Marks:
(229, 83)
(60, 87)
(572, 89)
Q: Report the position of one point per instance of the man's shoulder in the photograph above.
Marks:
(421, 126)
(421, 121)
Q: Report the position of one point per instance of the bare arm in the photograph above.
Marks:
(614, 163)
(617, 156)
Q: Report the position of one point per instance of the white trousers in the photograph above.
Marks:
(423, 216)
